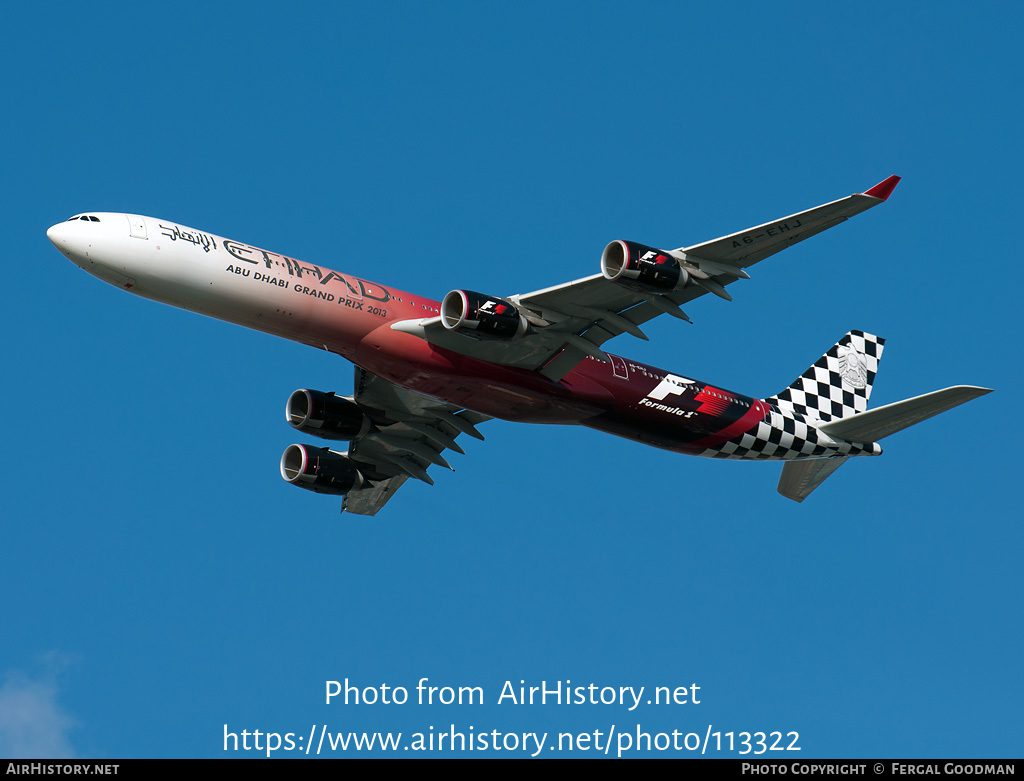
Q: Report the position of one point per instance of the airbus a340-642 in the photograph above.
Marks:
(428, 371)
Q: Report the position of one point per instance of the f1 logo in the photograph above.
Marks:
(493, 306)
(671, 385)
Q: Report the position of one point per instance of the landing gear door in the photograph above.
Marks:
(138, 226)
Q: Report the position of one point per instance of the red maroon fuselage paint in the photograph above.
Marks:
(611, 397)
(352, 317)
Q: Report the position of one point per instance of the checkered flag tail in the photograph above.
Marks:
(839, 383)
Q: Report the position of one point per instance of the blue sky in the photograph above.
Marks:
(162, 581)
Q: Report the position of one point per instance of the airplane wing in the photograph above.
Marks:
(410, 432)
(570, 321)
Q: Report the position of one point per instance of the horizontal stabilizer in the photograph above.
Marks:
(877, 423)
(799, 478)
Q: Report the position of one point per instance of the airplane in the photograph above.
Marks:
(428, 371)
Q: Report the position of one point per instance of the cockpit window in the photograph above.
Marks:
(86, 217)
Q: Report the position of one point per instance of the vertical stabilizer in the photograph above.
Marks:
(839, 383)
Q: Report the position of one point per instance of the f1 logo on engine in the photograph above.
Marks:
(493, 306)
(671, 385)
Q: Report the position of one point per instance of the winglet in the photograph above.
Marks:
(883, 190)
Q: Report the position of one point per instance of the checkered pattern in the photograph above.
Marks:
(791, 438)
(838, 384)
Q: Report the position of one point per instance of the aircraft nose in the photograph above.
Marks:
(68, 239)
(55, 234)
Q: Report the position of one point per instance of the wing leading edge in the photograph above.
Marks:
(573, 320)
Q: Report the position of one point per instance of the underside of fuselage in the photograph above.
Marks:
(621, 397)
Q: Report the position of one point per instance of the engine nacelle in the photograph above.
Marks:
(325, 415)
(642, 268)
(486, 315)
(320, 470)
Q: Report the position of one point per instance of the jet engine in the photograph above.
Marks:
(486, 315)
(642, 268)
(320, 470)
(325, 415)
